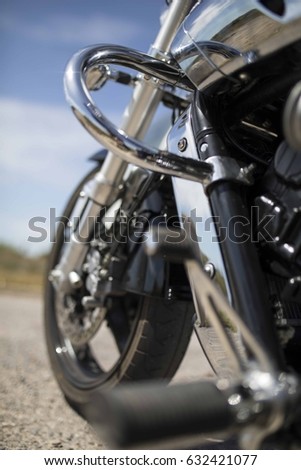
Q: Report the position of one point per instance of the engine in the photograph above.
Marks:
(279, 205)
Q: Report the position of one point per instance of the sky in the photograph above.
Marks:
(43, 149)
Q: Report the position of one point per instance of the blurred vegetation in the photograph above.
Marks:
(20, 272)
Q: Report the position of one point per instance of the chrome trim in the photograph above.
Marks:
(193, 204)
(227, 168)
(292, 118)
(175, 16)
(272, 400)
(219, 37)
(220, 314)
(97, 77)
(114, 139)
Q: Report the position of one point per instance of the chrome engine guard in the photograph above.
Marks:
(137, 153)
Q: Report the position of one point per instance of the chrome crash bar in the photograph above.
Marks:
(77, 77)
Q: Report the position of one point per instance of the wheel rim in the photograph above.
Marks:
(93, 365)
(83, 366)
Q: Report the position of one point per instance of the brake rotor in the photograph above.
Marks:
(78, 326)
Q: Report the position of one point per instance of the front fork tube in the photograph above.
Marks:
(248, 289)
(107, 184)
(85, 219)
(239, 253)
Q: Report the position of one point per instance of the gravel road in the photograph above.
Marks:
(33, 413)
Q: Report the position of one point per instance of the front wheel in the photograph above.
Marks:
(136, 337)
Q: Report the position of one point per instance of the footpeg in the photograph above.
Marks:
(152, 415)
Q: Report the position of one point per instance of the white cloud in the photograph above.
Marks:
(70, 29)
(43, 152)
(41, 142)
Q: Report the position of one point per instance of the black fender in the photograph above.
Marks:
(98, 156)
(156, 277)
(151, 276)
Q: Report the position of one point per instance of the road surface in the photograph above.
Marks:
(33, 413)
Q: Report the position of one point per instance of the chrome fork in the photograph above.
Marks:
(108, 182)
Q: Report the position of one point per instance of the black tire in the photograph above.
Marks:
(155, 346)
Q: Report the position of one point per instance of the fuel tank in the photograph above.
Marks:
(219, 37)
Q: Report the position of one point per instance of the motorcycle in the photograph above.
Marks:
(197, 234)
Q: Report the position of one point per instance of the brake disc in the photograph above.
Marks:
(78, 326)
(78, 323)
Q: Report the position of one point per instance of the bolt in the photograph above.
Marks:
(103, 273)
(182, 144)
(170, 295)
(244, 77)
(55, 275)
(248, 170)
(234, 399)
(250, 57)
(210, 270)
(75, 280)
(204, 147)
(85, 267)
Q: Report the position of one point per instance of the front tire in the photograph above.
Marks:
(152, 347)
